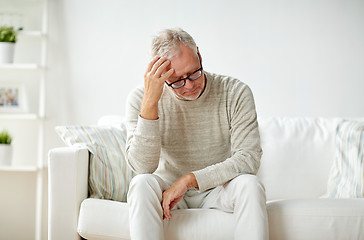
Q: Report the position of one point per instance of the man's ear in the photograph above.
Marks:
(198, 52)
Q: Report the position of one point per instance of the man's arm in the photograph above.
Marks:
(245, 142)
(144, 142)
(245, 147)
(154, 79)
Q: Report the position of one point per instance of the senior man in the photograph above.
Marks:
(193, 142)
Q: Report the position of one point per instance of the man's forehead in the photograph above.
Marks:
(183, 67)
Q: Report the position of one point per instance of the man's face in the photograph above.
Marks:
(185, 63)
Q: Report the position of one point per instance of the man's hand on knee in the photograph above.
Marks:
(175, 193)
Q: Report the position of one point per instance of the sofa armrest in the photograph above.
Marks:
(68, 187)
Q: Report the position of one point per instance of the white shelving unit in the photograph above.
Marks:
(18, 169)
(20, 67)
(29, 71)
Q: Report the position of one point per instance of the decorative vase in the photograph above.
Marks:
(6, 52)
(6, 154)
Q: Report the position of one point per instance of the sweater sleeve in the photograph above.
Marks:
(245, 142)
(143, 144)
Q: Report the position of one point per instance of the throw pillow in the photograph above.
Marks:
(109, 174)
(346, 179)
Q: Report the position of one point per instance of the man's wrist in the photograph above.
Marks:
(149, 116)
(191, 181)
(149, 111)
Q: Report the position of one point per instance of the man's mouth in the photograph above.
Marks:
(190, 92)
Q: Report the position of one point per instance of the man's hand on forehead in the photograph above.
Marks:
(156, 74)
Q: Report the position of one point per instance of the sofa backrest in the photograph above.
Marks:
(297, 156)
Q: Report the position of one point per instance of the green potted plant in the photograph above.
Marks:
(6, 149)
(7, 44)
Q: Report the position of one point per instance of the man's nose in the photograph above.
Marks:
(189, 84)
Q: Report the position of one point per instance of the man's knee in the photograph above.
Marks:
(142, 179)
(145, 184)
(248, 183)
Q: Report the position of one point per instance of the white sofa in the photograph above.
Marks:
(297, 158)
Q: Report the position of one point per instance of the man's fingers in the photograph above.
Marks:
(157, 64)
(174, 202)
(167, 215)
(162, 69)
(167, 74)
(151, 63)
(156, 70)
(168, 205)
(166, 208)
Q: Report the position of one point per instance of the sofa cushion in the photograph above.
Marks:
(316, 219)
(297, 156)
(103, 219)
(109, 175)
(288, 220)
(347, 173)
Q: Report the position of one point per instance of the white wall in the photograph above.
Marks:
(301, 58)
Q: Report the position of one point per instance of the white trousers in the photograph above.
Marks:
(244, 196)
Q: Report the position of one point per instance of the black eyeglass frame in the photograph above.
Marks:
(188, 77)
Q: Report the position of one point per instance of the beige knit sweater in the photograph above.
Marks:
(215, 137)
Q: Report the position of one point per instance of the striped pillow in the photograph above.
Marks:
(109, 174)
(347, 173)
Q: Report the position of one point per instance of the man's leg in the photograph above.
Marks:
(245, 197)
(145, 210)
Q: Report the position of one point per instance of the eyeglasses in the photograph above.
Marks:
(192, 77)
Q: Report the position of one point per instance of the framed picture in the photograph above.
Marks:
(12, 98)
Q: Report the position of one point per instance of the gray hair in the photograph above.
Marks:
(166, 43)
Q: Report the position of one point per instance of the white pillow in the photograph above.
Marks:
(109, 174)
(297, 156)
(346, 179)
